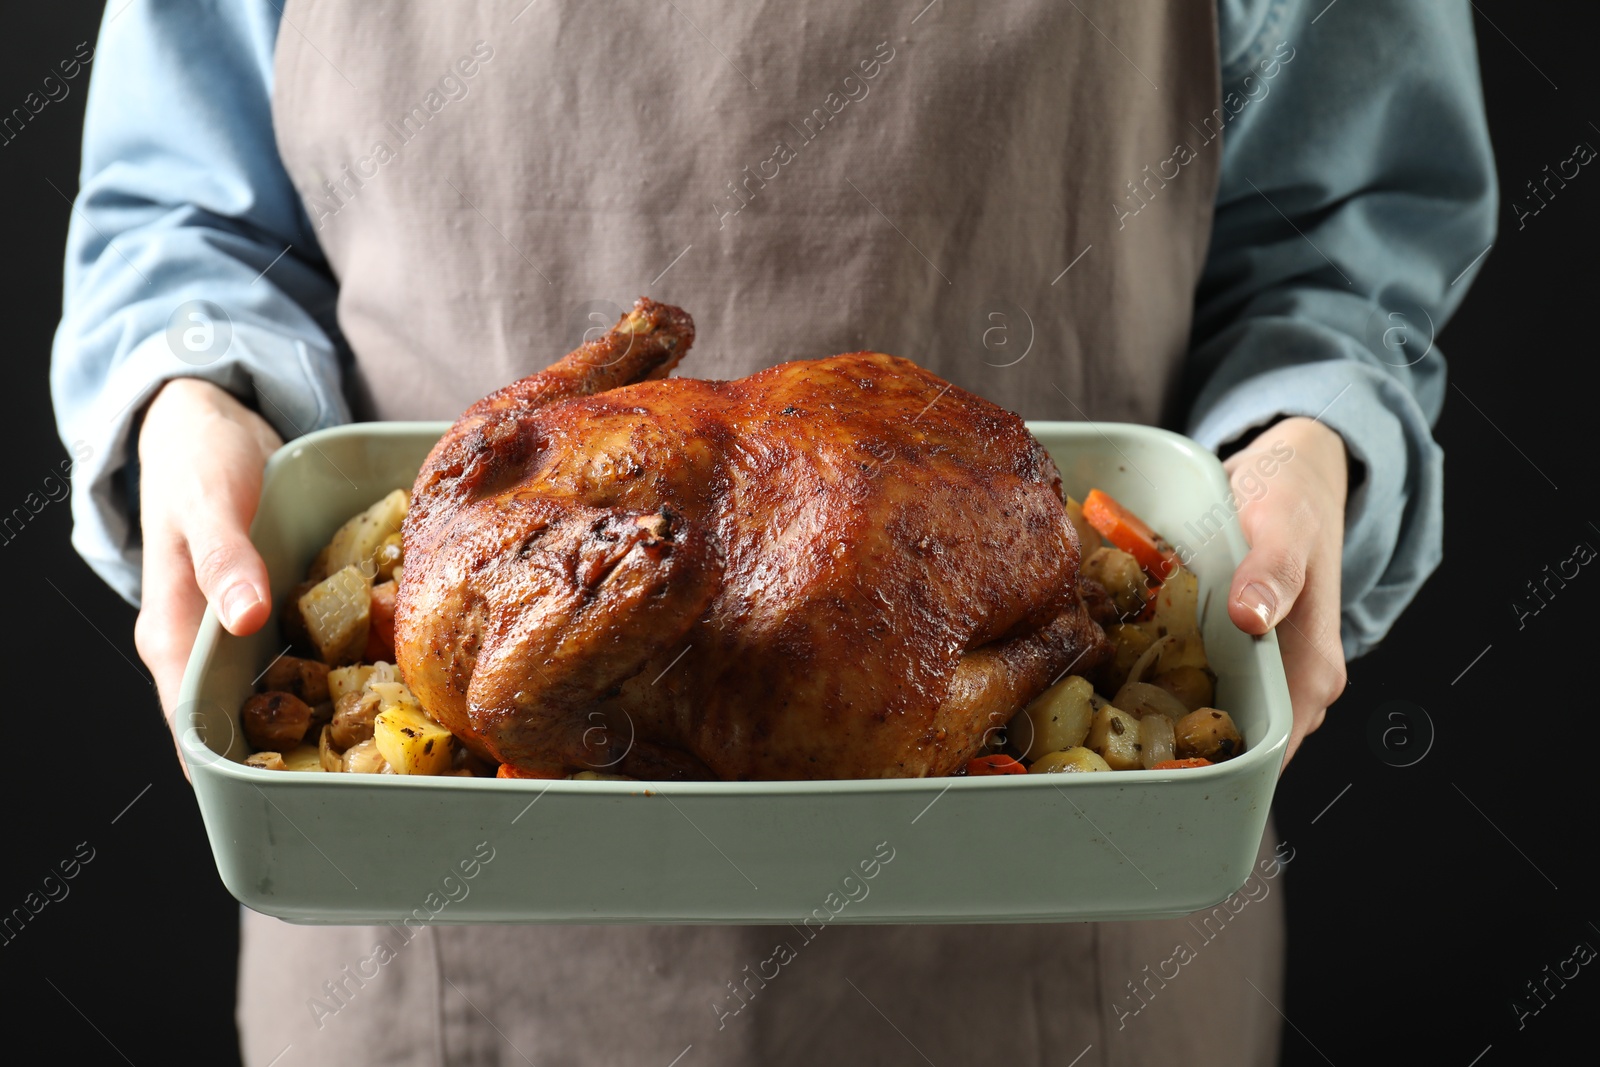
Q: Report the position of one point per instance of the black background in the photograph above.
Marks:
(1420, 902)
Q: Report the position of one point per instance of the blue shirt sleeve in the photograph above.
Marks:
(188, 254)
(1357, 198)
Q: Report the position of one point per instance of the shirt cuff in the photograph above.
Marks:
(293, 387)
(1394, 518)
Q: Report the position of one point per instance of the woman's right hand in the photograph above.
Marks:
(201, 457)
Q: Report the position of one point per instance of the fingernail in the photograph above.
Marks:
(236, 602)
(1260, 602)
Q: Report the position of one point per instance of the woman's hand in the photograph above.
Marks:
(1293, 518)
(201, 455)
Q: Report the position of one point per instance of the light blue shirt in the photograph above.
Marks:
(1357, 198)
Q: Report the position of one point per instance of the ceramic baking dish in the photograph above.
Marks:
(338, 848)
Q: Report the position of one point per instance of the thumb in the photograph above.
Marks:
(1269, 581)
(227, 566)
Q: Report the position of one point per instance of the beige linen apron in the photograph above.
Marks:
(994, 190)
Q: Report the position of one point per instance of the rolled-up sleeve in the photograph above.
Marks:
(188, 254)
(1357, 199)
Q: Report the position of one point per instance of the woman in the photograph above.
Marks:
(1243, 221)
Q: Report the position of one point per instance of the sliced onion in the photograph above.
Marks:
(1157, 740)
(364, 758)
(1147, 658)
(1141, 699)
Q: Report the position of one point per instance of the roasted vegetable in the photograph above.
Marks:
(1177, 609)
(380, 629)
(1128, 532)
(1156, 740)
(345, 680)
(332, 758)
(353, 716)
(1193, 686)
(1114, 737)
(1186, 651)
(1149, 660)
(305, 678)
(505, 770)
(358, 542)
(390, 555)
(998, 764)
(1122, 577)
(303, 758)
(364, 758)
(1129, 641)
(1088, 536)
(411, 742)
(1071, 761)
(337, 612)
(1170, 654)
(359, 717)
(391, 693)
(1057, 719)
(1210, 734)
(1141, 700)
(275, 722)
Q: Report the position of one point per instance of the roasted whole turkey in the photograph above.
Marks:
(834, 568)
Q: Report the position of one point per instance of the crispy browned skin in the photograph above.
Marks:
(835, 568)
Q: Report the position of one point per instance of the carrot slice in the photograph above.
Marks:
(380, 631)
(996, 764)
(1131, 534)
(508, 771)
(1181, 764)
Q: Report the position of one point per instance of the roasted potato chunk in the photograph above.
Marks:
(1177, 609)
(1209, 734)
(337, 613)
(267, 761)
(1071, 761)
(345, 680)
(1057, 719)
(1122, 577)
(358, 542)
(303, 758)
(411, 742)
(390, 555)
(275, 722)
(1194, 686)
(1187, 650)
(1088, 536)
(1128, 642)
(1114, 737)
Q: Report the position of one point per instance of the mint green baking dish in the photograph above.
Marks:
(357, 849)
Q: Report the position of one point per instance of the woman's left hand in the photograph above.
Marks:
(1292, 481)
